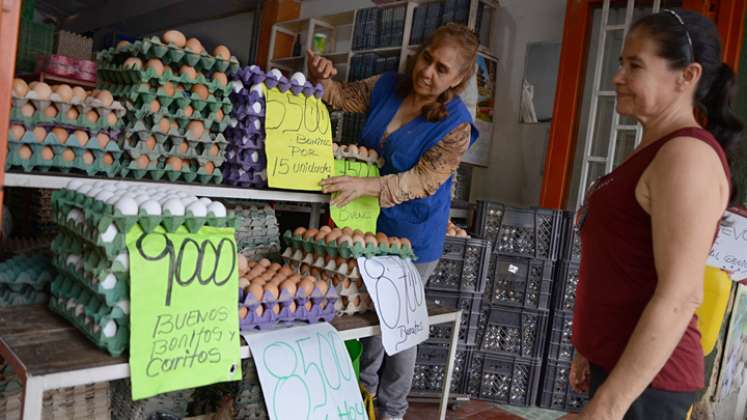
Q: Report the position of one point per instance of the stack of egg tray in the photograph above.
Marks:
(344, 250)
(158, 111)
(167, 405)
(92, 401)
(343, 273)
(92, 287)
(246, 163)
(88, 147)
(258, 232)
(24, 280)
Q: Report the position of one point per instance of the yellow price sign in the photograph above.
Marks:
(363, 212)
(298, 141)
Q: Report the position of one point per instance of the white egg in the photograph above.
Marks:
(257, 107)
(204, 200)
(186, 201)
(104, 196)
(109, 281)
(150, 207)
(257, 125)
(85, 188)
(93, 192)
(124, 260)
(124, 305)
(258, 90)
(110, 329)
(276, 73)
(113, 200)
(216, 209)
(74, 184)
(197, 209)
(79, 308)
(255, 156)
(299, 78)
(76, 216)
(109, 234)
(253, 67)
(174, 207)
(142, 198)
(73, 260)
(127, 206)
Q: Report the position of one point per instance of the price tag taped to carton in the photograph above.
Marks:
(184, 325)
(306, 373)
(399, 298)
(363, 212)
(298, 141)
(729, 251)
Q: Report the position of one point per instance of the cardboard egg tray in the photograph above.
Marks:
(91, 315)
(61, 120)
(112, 74)
(37, 163)
(109, 279)
(345, 250)
(170, 54)
(23, 272)
(322, 308)
(341, 154)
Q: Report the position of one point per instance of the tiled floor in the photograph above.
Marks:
(480, 410)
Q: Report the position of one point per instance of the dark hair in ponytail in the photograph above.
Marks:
(468, 45)
(685, 37)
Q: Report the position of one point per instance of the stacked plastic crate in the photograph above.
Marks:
(458, 282)
(514, 318)
(555, 391)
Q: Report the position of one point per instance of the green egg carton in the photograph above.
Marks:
(37, 163)
(134, 147)
(111, 290)
(153, 171)
(62, 107)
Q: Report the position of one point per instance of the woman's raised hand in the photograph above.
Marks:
(320, 68)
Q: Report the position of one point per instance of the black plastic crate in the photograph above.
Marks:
(462, 267)
(531, 232)
(555, 392)
(515, 332)
(504, 380)
(571, 239)
(519, 281)
(566, 281)
(469, 303)
(430, 368)
(559, 345)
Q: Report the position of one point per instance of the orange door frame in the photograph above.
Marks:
(10, 13)
(729, 15)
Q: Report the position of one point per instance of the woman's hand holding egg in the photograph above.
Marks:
(320, 68)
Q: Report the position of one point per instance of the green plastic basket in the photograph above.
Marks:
(27, 10)
(355, 349)
(34, 39)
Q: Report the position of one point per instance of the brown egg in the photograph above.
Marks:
(65, 92)
(72, 114)
(300, 231)
(87, 157)
(275, 267)
(188, 72)
(183, 147)
(27, 110)
(111, 119)
(372, 240)
(43, 91)
(219, 115)
(174, 37)
(289, 286)
(359, 239)
(345, 240)
(102, 139)
(243, 263)
(384, 242)
(243, 312)
(406, 243)
(221, 78)
(244, 282)
(310, 233)
(175, 162)
(173, 125)
(156, 65)
(20, 88)
(68, 155)
(134, 63)
(164, 125)
(222, 52)
(150, 143)
(197, 128)
(323, 286)
(24, 152)
(50, 111)
(40, 133)
(168, 89)
(332, 237)
(188, 111)
(209, 167)
(320, 235)
(61, 134)
(285, 270)
(92, 116)
(461, 233)
(347, 231)
(273, 290)
(108, 159)
(201, 91)
(79, 93)
(81, 136)
(142, 162)
(105, 97)
(194, 45)
(47, 153)
(306, 286)
(17, 130)
(257, 291)
(264, 262)
(155, 106)
(394, 241)
(214, 150)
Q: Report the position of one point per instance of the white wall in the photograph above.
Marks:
(235, 32)
(518, 152)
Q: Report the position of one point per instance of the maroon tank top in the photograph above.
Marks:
(617, 275)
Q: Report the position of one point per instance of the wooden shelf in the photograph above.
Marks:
(45, 77)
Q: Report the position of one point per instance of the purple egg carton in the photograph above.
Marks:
(240, 177)
(250, 75)
(269, 318)
(254, 141)
(246, 158)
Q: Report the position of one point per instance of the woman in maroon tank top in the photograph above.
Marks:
(647, 227)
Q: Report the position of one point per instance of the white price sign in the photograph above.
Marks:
(306, 373)
(729, 251)
(399, 298)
